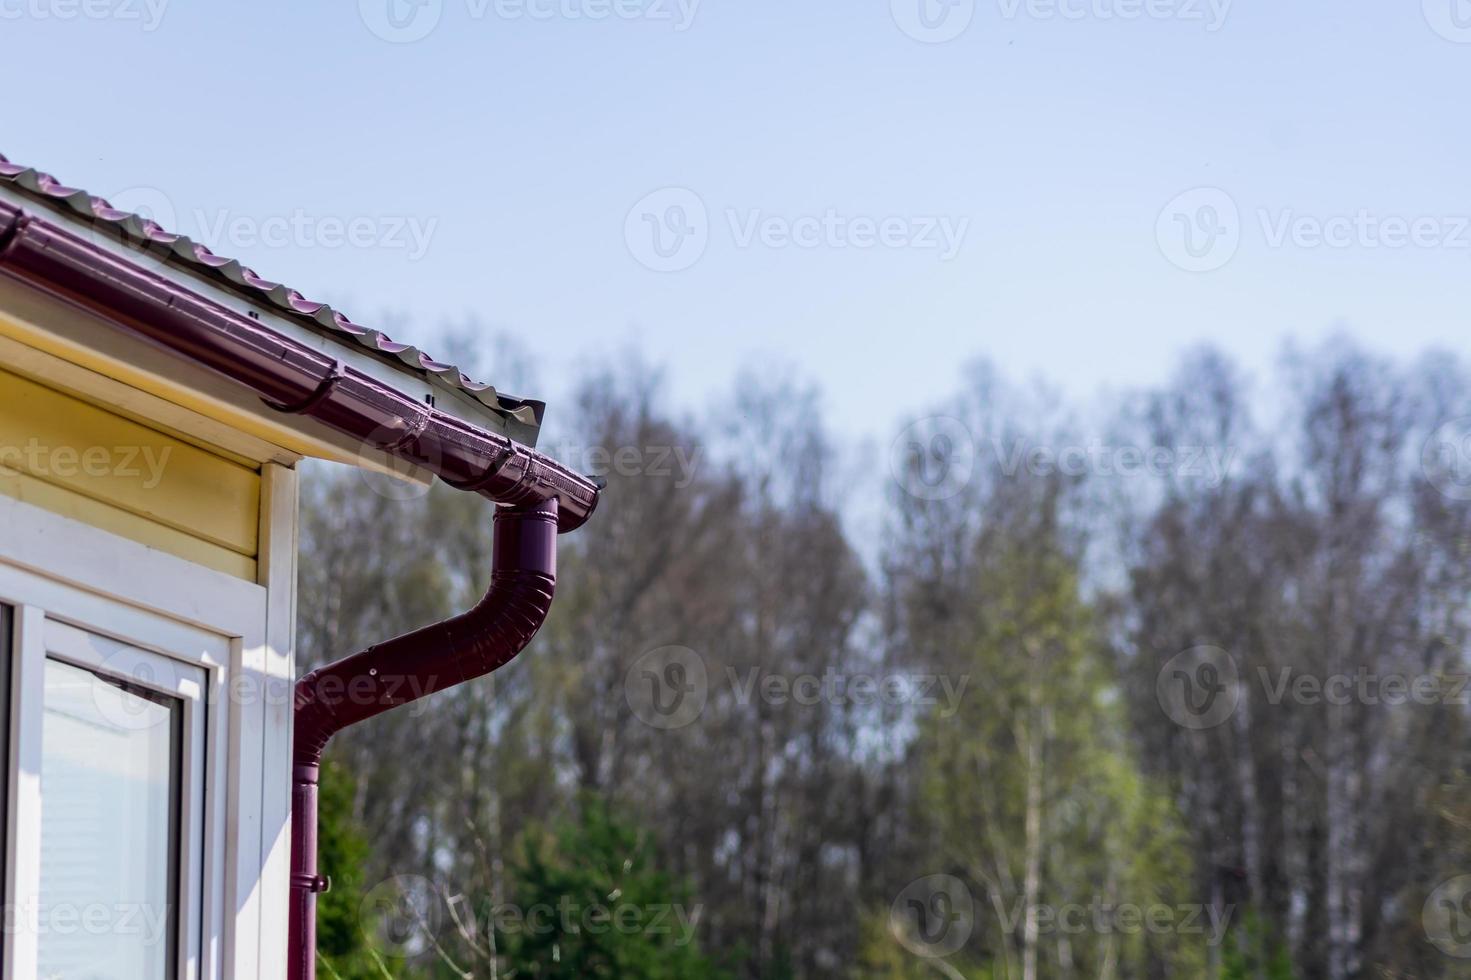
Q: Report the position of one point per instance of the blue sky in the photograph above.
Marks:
(515, 162)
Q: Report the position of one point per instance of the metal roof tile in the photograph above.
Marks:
(148, 235)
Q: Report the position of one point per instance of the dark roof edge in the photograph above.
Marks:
(288, 375)
(148, 236)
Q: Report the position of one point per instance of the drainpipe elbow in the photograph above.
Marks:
(415, 665)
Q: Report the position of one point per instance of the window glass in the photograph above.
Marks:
(109, 828)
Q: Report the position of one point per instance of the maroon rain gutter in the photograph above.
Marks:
(538, 496)
(405, 669)
(288, 375)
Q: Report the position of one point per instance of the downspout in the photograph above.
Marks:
(536, 498)
(405, 669)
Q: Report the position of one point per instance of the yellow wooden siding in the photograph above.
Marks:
(60, 452)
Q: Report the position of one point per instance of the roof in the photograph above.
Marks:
(179, 250)
(300, 358)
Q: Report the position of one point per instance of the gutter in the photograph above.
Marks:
(289, 376)
(406, 669)
(538, 497)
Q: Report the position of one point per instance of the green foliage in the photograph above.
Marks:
(343, 946)
(1033, 775)
(590, 904)
(1252, 954)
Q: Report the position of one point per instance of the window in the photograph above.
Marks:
(122, 809)
(111, 754)
(116, 858)
(147, 809)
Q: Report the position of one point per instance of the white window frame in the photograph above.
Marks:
(194, 687)
(232, 639)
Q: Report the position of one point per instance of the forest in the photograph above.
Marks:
(1166, 683)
